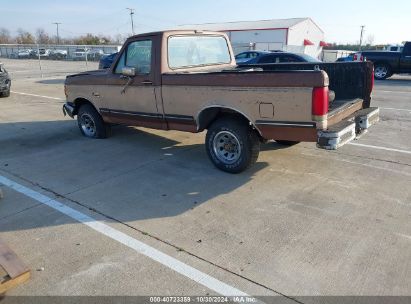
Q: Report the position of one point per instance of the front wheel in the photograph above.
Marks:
(91, 123)
(382, 71)
(7, 92)
(232, 145)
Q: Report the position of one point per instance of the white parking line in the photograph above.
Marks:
(34, 95)
(395, 109)
(380, 148)
(150, 252)
(385, 91)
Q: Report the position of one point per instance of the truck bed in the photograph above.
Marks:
(349, 80)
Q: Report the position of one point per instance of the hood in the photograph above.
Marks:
(89, 73)
(89, 76)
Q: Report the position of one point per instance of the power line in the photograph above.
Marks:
(117, 27)
(93, 20)
(131, 17)
(57, 25)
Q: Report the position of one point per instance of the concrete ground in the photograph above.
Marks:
(302, 222)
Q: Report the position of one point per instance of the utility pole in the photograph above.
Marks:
(362, 33)
(131, 17)
(58, 38)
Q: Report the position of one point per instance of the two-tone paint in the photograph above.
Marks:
(278, 104)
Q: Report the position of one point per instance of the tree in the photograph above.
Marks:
(370, 40)
(4, 35)
(88, 39)
(42, 37)
(24, 37)
(119, 39)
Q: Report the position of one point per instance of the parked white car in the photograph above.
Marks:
(81, 53)
(58, 54)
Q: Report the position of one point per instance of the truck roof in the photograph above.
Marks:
(177, 32)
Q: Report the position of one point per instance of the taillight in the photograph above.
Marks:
(320, 101)
(358, 57)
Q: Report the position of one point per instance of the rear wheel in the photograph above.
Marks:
(382, 71)
(91, 123)
(232, 145)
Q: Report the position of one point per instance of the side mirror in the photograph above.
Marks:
(127, 71)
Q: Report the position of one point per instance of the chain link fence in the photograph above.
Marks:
(57, 52)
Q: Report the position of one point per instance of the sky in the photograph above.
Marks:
(388, 22)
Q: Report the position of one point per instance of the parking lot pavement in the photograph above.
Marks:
(302, 222)
(69, 259)
(33, 68)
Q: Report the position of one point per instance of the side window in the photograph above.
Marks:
(253, 55)
(269, 59)
(288, 58)
(137, 55)
(242, 56)
(121, 63)
(407, 50)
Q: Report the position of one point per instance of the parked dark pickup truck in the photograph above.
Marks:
(387, 63)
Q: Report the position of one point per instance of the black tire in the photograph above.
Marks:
(287, 142)
(91, 123)
(6, 93)
(382, 71)
(236, 135)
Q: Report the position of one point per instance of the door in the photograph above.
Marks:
(132, 99)
(405, 61)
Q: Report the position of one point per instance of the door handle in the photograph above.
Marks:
(147, 82)
(95, 94)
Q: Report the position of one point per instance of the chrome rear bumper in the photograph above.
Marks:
(347, 130)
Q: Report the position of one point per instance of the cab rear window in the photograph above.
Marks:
(193, 51)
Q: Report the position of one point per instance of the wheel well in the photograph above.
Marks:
(209, 115)
(382, 62)
(79, 102)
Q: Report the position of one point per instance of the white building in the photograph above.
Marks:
(299, 35)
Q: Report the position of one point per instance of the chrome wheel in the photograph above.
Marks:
(381, 72)
(227, 147)
(87, 125)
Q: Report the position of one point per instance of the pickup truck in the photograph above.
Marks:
(388, 63)
(189, 81)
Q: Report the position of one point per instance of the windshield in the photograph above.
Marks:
(80, 50)
(192, 51)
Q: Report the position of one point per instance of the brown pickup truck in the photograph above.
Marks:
(189, 81)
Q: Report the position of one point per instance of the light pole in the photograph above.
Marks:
(58, 38)
(131, 17)
(362, 33)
